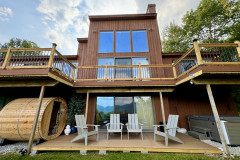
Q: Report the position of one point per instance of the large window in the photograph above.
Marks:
(101, 71)
(127, 72)
(106, 42)
(124, 105)
(139, 40)
(123, 41)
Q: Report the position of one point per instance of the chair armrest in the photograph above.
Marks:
(81, 127)
(126, 124)
(157, 125)
(107, 124)
(171, 128)
(140, 124)
(93, 125)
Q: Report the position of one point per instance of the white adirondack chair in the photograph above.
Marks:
(114, 125)
(82, 129)
(169, 131)
(133, 125)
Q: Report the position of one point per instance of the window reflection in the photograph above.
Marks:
(106, 42)
(101, 71)
(123, 41)
(139, 40)
(144, 70)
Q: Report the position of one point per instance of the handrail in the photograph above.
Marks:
(127, 66)
(199, 54)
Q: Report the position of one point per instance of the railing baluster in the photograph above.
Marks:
(140, 71)
(106, 72)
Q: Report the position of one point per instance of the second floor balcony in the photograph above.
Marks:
(202, 60)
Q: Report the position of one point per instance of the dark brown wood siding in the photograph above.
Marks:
(89, 55)
(193, 100)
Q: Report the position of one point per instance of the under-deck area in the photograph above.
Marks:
(191, 145)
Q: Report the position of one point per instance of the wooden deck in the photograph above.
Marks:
(191, 145)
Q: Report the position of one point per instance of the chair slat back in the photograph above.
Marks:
(133, 121)
(80, 121)
(172, 122)
(114, 121)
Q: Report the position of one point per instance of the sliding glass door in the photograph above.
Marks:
(123, 72)
(141, 105)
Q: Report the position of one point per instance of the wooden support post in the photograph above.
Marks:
(86, 111)
(140, 71)
(106, 72)
(30, 142)
(162, 109)
(197, 52)
(174, 71)
(217, 119)
(51, 57)
(238, 47)
(7, 58)
(73, 73)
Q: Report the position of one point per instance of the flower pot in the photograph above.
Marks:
(73, 129)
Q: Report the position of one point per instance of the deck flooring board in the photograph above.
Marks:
(135, 143)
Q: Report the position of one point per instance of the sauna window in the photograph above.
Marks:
(123, 41)
(55, 117)
(105, 42)
(139, 41)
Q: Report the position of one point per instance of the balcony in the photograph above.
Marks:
(201, 63)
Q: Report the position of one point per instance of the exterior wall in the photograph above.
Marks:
(88, 52)
(193, 100)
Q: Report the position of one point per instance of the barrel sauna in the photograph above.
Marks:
(16, 119)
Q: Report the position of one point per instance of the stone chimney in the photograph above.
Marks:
(151, 8)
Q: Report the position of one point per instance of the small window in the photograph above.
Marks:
(106, 42)
(123, 41)
(139, 39)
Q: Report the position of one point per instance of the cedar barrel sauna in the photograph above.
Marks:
(16, 119)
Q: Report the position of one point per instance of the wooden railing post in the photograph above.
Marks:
(106, 72)
(238, 47)
(51, 57)
(197, 51)
(140, 71)
(73, 73)
(174, 71)
(7, 58)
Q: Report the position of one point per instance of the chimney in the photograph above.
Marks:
(151, 8)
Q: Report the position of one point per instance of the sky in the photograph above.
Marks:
(63, 21)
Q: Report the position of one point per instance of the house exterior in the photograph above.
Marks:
(120, 68)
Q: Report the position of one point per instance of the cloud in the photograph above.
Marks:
(5, 13)
(67, 20)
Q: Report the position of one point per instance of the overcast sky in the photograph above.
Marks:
(62, 21)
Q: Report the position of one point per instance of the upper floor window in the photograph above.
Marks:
(106, 42)
(123, 41)
(139, 41)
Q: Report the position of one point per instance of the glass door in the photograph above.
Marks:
(123, 72)
(105, 107)
(124, 106)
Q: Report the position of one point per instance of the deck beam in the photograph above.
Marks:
(217, 119)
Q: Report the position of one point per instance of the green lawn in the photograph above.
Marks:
(111, 156)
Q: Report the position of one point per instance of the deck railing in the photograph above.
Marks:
(123, 72)
(3, 53)
(199, 54)
(37, 58)
(208, 54)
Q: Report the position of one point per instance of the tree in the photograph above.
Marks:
(208, 22)
(19, 43)
(75, 107)
(174, 39)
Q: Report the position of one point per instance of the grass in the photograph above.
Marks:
(111, 156)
